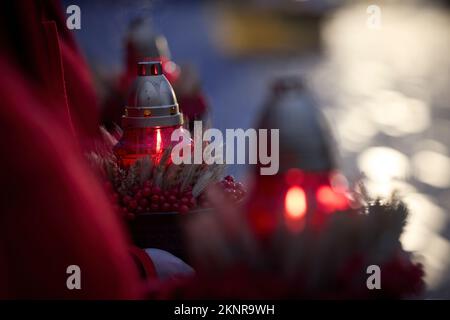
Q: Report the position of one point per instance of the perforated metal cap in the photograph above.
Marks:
(152, 101)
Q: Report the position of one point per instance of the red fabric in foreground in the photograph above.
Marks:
(53, 211)
(144, 262)
(36, 40)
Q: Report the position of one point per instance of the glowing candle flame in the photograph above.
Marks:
(331, 200)
(295, 202)
(158, 140)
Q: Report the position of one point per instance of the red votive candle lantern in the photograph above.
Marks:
(151, 115)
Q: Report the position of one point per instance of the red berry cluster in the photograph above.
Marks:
(235, 191)
(149, 198)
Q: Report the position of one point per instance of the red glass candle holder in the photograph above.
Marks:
(137, 143)
(151, 116)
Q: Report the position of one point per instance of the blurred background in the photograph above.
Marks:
(379, 71)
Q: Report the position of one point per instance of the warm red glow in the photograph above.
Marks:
(142, 71)
(294, 176)
(158, 140)
(330, 199)
(154, 70)
(295, 202)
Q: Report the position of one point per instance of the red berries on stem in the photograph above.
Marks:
(234, 191)
(149, 198)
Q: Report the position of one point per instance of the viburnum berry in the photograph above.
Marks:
(151, 198)
(229, 178)
(132, 204)
(184, 209)
(138, 195)
(227, 184)
(148, 184)
(156, 190)
(126, 199)
(229, 191)
(146, 191)
(143, 202)
(239, 185)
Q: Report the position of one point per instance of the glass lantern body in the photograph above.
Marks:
(137, 143)
(151, 116)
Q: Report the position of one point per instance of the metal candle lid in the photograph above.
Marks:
(152, 101)
(306, 141)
